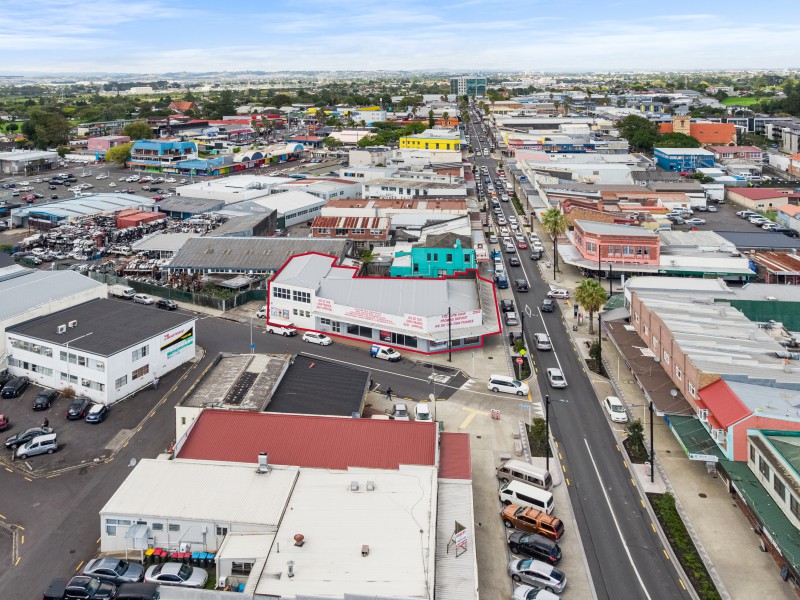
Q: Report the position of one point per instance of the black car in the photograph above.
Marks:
(89, 588)
(26, 436)
(44, 399)
(522, 285)
(78, 408)
(54, 196)
(166, 304)
(138, 591)
(547, 305)
(535, 546)
(507, 305)
(15, 387)
(513, 261)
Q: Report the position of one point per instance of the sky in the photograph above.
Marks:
(157, 36)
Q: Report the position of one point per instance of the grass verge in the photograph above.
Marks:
(683, 546)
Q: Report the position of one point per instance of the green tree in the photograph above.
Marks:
(62, 151)
(138, 130)
(591, 296)
(554, 223)
(676, 140)
(445, 117)
(431, 120)
(119, 154)
(636, 433)
(332, 142)
(641, 133)
(281, 100)
(366, 256)
(12, 127)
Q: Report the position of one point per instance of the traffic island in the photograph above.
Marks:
(683, 546)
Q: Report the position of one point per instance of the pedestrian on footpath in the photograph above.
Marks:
(155, 383)
(389, 393)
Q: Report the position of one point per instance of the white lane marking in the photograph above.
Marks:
(539, 310)
(616, 523)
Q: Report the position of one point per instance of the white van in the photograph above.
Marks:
(517, 470)
(43, 444)
(504, 383)
(384, 352)
(523, 494)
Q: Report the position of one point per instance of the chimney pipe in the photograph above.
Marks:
(290, 566)
(263, 462)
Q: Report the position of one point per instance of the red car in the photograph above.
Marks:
(158, 198)
(29, 197)
(4, 423)
(522, 245)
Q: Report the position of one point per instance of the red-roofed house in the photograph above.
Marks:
(728, 409)
(789, 216)
(308, 441)
(181, 106)
(455, 461)
(723, 134)
(759, 198)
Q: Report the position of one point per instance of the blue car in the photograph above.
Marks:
(97, 414)
(502, 282)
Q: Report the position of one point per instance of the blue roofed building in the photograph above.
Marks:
(155, 155)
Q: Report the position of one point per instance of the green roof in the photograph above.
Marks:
(790, 450)
(780, 529)
(615, 301)
(693, 437)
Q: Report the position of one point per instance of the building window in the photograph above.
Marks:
(241, 568)
(636, 317)
(678, 373)
(359, 330)
(752, 454)
(780, 488)
(157, 526)
(794, 506)
(223, 531)
(140, 372)
(646, 330)
(301, 296)
(692, 391)
(174, 527)
(281, 292)
(655, 344)
(122, 381)
(763, 467)
(139, 353)
(111, 529)
(666, 357)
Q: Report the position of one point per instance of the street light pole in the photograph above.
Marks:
(652, 447)
(547, 431)
(449, 336)
(252, 349)
(610, 276)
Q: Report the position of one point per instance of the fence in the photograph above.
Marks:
(223, 304)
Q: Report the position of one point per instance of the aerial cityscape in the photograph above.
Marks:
(410, 302)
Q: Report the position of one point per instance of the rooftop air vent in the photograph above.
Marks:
(263, 462)
(61, 329)
(72, 324)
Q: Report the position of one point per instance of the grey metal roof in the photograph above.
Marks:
(109, 326)
(614, 229)
(250, 253)
(165, 241)
(238, 225)
(305, 271)
(421, 297)
(24, 289)
(185, 204)
(760, 240)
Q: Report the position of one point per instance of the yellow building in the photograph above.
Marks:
(433, 139)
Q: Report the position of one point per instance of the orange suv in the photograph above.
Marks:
(532, 520)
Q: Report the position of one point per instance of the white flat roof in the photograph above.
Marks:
(243, 546)
(204, 491)
(22, 289)
(165, 241)
(396, 520)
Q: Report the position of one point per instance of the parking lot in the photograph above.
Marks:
(79, 442)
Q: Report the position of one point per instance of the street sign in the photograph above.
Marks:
(519, 361)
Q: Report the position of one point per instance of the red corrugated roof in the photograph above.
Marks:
(310, 441)
(761, 193)
(723, 404)
(455, 461)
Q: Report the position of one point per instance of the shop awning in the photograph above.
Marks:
(694, 439)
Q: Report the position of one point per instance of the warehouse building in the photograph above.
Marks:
(27, 162)
(52, 214)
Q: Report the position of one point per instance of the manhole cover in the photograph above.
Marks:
(702, 495)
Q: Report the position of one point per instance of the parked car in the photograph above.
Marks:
(78, 407)
(509, 385)
(511, 318)
(172, 573)
(44, 399)
(399, 412)
(526, 592)
(143, 299)
(535, 546)
(537, 574)
(615, 409)
(558, 293)
(41, 444)
(694, 221)
(14, 387)
(89, 588)
(4, 423)
(25, 436)
(165, 304)
(711, 208)
(507, 306)
(556, 378)
(114, 570)
(317, 338)
(97, 413)
(422, 412)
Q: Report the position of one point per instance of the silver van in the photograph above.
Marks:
(517, 470)
(523, 494)
(43, 444)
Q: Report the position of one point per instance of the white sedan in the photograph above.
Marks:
(615, 409)
(556, 378)
(317, 338)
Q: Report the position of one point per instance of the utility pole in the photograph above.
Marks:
(547, 431)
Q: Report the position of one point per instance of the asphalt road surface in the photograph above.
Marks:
(625, 556)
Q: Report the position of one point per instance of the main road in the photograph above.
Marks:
(625, 555)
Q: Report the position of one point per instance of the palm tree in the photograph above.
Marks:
(554, 223)
(591, 296)
(445, 118)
